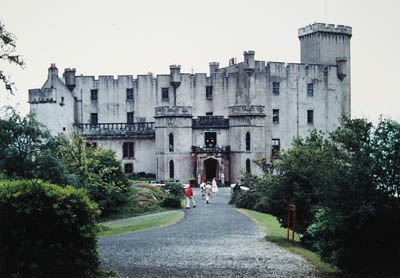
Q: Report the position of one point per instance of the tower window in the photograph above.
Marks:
(128, 167)
(310, 116)
(171, 169)
(94, 119)
(93, 94)
(129, 117)
(209, 92)
(275, 116)
(127, 150)
(275, 88)
(248, 166)
(248, 140)
(276, 147)
(210, 139)
(171, 142)
(310, 89)
(129, 94)
(165, 94)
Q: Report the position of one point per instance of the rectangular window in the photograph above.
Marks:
(209, 113)
(210, 139)
(209, 92)
(165, 94)
(275, 116)
(275, 88)
(310, 116)
(129, 117)
(310, 89)
(93, 94)
(128, 167)
(94, 119)
(276, 147)
(129, 94)
(127, 150)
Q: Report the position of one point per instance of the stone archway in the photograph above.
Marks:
(210, 169)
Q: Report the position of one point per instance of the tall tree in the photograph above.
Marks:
(7, 54)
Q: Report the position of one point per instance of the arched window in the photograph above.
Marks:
(171, 169)
(248, 169)
(171, 142)
(248, 141)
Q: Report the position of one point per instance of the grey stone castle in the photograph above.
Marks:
(180, 125)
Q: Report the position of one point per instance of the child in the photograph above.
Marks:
(189, 195)
(203, 189)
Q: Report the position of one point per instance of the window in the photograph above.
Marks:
(248, 167)
(209, 113)
(129, 117)
(248, 141)
(310, 89)
(127, 150)
(64, 128)
(165, 94)
(310, 116)
(275, 116)
(128, 167)
(171, 169)
(129, 94)
(62, 99)
(209, 92)
(276, 147)
(93, 94)
(94, 119)
(210, 139)
(275, 88)
(91, 145)
(171, 142)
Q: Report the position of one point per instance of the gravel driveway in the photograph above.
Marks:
(213, 240)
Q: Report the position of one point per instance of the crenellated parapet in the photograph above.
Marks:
(173, 111)
(244, 110)
(327, 28)
(46, 95)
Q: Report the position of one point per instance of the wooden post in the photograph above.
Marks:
(291, 208)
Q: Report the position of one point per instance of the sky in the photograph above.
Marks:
(136, 37)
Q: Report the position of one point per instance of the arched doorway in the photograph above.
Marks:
(211, 168)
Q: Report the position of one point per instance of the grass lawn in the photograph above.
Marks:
(141, 224)
(278, 235)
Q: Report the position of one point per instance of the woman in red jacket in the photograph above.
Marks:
(190, 197)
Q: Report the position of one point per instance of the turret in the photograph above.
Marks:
(69, 76)
(214, 66)
(249, 63)
(341, 63)
(175, 73)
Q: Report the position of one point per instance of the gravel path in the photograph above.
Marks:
(213, 240)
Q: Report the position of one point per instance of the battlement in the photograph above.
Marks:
(47, 95)
(327, 28)
(173, 111)
(243, 110)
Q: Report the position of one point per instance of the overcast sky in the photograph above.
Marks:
(136, 37)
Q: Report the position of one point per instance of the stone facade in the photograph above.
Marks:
(180, 126)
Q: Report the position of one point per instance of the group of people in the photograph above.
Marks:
(208, 191)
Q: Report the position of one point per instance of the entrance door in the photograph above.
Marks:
(211, 167)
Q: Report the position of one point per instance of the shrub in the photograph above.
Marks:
(46, 231)
(171, 201)
(175, 188)
(247, 199)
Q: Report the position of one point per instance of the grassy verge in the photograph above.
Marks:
(278, 235)
(141, 224)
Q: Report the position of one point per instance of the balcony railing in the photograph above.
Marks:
(210, 122)
(216, 149)
(143, 130)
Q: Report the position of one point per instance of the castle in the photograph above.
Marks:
(180, 126)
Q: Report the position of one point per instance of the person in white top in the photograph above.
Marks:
(203, 189)
(208, 193)
(214, 187)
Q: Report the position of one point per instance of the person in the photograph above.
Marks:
(236, 189)
(208, 193)
(203, 189)
(214, 187)
(190, 197)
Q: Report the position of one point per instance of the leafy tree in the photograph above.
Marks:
(7, 54)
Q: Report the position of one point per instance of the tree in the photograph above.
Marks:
(7, 54)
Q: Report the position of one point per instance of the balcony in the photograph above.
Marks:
(210, 122)
(217, 149)
(143, 130)
(243, 110)
(173, 111)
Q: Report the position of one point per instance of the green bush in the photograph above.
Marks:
(175, 188)
(46, 231)
(171, 201)
(246, 199)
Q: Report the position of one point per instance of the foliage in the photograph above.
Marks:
(97, 170)
(7, 54)
(246, 199)
(175, 188)
(171, 201)
(46, 231)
